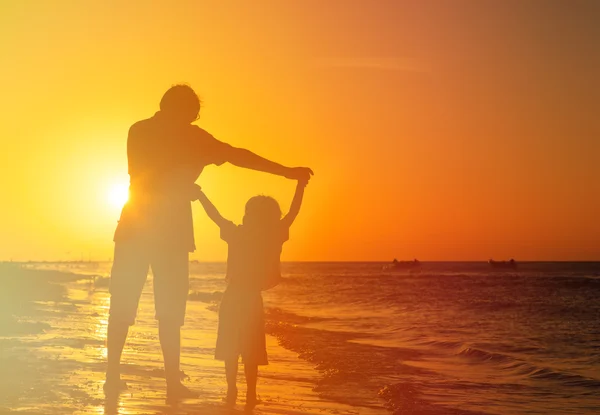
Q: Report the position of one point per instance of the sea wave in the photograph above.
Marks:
(348, 358)
(205, 297)
(484, 356)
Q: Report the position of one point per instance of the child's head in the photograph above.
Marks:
(262, 211)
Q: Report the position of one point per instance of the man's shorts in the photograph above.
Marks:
(170, 268)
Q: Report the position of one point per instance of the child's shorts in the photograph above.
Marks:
(242, 327)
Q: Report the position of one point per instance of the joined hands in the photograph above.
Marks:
(302, 174)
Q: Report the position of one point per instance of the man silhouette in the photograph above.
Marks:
(166, 154)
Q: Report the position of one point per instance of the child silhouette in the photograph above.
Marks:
(253, 265)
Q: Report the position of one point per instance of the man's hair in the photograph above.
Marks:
(181, 101)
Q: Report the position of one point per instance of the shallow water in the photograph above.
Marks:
(52, 354)
(453, 338)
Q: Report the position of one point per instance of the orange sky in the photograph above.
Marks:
(441, 133)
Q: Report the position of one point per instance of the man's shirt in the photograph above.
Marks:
(164, 161)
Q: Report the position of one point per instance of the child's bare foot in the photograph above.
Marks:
(231, 396)
(177, 390)
(251, 402)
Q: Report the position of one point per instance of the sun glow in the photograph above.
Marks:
(118, 194)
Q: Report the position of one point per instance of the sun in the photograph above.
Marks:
(118, 194)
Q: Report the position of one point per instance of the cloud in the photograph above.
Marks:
(377, 63)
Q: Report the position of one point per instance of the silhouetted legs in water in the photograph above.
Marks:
(251, 373)
(170, 343)
(115, 341)
(231, 369)
(169, 335)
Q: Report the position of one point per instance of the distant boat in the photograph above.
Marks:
(512, 264)
(402, 264)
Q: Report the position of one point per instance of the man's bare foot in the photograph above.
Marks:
(114, 386)
(231, 397)
(177, 390)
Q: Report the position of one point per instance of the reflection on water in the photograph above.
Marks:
(52, 353)
(456, 338)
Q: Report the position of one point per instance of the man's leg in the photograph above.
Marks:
(115, 341)
(127, 279)
(170, 339)
(171, 286)
(170, 342)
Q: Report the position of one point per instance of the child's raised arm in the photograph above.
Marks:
(210, 209)
(296, 203)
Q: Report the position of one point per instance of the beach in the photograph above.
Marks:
(343, 338)
(52, 343)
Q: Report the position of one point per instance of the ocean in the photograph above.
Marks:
(446, 338)
(452, 335)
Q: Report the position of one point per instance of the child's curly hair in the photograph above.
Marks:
(262, 211)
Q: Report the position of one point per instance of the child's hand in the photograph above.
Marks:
(299, 173)
(196, 192)
(302, 182)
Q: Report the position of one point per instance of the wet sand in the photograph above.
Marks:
(52, 355)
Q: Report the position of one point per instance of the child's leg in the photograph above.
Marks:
(231, 369)
(251, 372)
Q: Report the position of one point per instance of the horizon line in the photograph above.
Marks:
(307, 261)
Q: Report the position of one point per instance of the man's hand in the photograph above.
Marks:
(195, 192)
(302, 174)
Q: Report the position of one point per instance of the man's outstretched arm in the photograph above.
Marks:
(245, 158)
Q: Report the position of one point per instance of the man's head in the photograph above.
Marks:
(181, 103)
